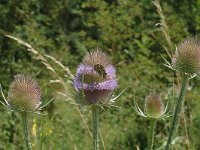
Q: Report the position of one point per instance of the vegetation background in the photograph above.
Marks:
(128, 30)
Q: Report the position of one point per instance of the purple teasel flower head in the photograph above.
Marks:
(95, 78)
(24, 95)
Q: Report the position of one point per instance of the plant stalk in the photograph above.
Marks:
(177, 110)
(95, 112)
(26, 134)
(152, 132)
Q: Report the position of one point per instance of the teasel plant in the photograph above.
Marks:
(24, 97)
(186, 62)
(95, 81)
(153, 110)
(64, 80)
(78, 98)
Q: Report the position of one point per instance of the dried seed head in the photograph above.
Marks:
(154, 106)
(24, 94)
(187, 57)
(96, 77)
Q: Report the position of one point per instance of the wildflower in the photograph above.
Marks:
(96, 77)
(187, 57)
(34, 130)
(187, 61)
(24, 94)
(153, 108)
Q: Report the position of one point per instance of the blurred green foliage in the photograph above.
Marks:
(126, 30)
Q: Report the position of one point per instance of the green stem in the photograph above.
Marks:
(27, 138)
(41, 135)
(95, 112)
(152, 131)
(177, 110)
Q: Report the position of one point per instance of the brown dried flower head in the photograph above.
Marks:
(187, 57)
(24, 94)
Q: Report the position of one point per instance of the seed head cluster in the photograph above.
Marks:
(187, 57)
(24, 94)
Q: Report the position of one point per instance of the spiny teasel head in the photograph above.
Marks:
(187, 57)
(95, 77)
(97, 57)
(153, 106)
(24, 94)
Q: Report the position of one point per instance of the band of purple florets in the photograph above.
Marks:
(109, 84)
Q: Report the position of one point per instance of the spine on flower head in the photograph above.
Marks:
(24, 94)
(96, 77)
